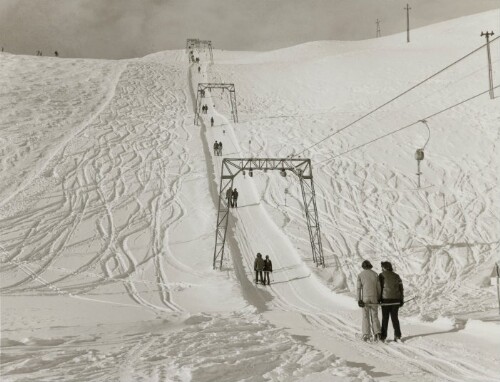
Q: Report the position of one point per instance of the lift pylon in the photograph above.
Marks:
(300, 167)
(200, 94)
(195, 43)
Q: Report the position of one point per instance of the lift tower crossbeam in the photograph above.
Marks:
(231, 167)
(195, 43)
(202, 87)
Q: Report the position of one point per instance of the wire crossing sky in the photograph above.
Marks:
(133, 28)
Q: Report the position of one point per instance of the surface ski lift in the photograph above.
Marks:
(419, 153)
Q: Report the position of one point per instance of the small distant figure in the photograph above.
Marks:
(220, 148)
(212, 121)
(229, 195)
(369, 294)
(56, 54)
(202, 92)
(392, 293)
(197, 60)
(223, 131)
(234, 203)
(216, 148)
(199, 69)
(258, 267)
(2, 48)
(268, 268)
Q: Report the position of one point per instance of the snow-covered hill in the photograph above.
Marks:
(108, 208)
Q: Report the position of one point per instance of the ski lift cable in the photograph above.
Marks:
(394, 98)
(406, 127)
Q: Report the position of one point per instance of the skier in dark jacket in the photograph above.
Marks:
(258, 267)
(220, 148)
(268, 267)
(235, 198)
(212, 121)
(216, 148)
(229, 195)
(392, 293)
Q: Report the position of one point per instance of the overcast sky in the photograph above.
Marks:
(133, 28)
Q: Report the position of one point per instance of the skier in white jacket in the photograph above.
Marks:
(369, 295)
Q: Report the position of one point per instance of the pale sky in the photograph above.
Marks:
(134, 28)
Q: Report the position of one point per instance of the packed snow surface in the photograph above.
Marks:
(108, 202)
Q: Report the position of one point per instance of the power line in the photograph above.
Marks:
(393, 99)
(405, 127)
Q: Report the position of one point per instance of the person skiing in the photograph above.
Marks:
(56, 54)
(392, 293)
(220, 148)
(268, 267)
(212, 121)
(216, 148)
(235, 198)
(258, 267)
(199, 69)
(369, 294)
(229, 195)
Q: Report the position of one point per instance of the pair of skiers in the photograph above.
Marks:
(385, 289)
(262, 265)
(232, 197)
(204, 109)
(217, 148)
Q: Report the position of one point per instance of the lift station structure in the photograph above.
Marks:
(300, 167)
(200, 94)
(200, 45)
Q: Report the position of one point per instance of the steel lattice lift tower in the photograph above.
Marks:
(300, 167)
(195, 43)
(200, 95)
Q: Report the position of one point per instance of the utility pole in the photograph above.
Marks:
(378, 28)
(490, 70)
(407, 22)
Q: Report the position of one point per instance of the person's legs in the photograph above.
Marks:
(235, 203)
(266, 278)
(385, 321)
(261, 277)
(374, 319)
(365, 326)
(395, 321)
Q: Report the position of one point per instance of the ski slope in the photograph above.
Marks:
(108, 207)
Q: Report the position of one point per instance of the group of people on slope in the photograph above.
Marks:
(385, 289)
(262, 266)
(217, 148)
(204, 109)
(232, 197)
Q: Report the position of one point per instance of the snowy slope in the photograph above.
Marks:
(108, 205)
